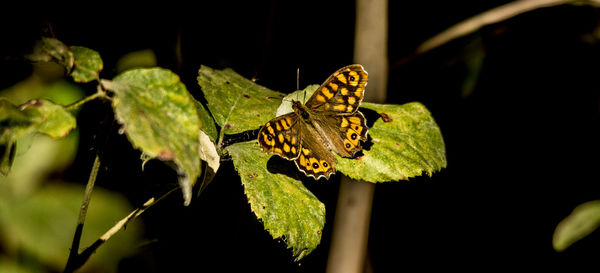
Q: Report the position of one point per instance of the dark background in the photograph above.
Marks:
(522, 145)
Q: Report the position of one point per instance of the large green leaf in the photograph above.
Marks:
(236, 103)
(87, 64)
(406, 143)
(159, 117)
(287, 209)
(584, 219)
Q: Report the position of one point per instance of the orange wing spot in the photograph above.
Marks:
(359, 92)
(344, 91)
(278, 126)
(302, 160)
(284, 124)
(326, 92)
(305, 151)
(349, 109)
(340, 107)
(312, 162)
(270, 129)
(286, 147)
(344, 123)
(293, 140)
(333, 86)
(294, 150)
(354, 120)
(342, 78)
(280, 136)
(357, 128)
(340, 100)
(321, 98)
(278, 151)
(351, 100)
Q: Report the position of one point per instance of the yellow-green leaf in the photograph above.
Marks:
(208, 123)
(87, 64)
(287, 209)
(159, 117)
(41, 116)
(584, 219)
(406, 143)
(236, 103)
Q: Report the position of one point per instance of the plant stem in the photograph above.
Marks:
(492, 16)
(78, 103)
(81, 258)
(87, 195)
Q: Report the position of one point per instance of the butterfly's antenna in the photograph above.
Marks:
(298, 83)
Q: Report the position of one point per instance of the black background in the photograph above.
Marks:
(522, 147)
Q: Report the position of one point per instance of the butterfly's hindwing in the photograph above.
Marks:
(342, 92)
(281, 136)
(315, 159)
(346, 132)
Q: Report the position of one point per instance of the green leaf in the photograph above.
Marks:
(406, 143)
(287, 209)
(159, 117)
(88, 64)
(41, 116)
(236, 103)
(584, 219)
(42, 225)
(50, 49)
(208, 123)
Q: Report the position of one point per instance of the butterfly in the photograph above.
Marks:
(328, 121)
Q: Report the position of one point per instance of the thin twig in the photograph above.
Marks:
(87, 196)
(99, 94)
(492, 16)
(81, 258)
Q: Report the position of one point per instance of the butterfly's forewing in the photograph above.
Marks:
(281, 136)
(341, 93)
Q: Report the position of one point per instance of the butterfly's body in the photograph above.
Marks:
(329, 121)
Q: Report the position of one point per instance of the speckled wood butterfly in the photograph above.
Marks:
(329, 121)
